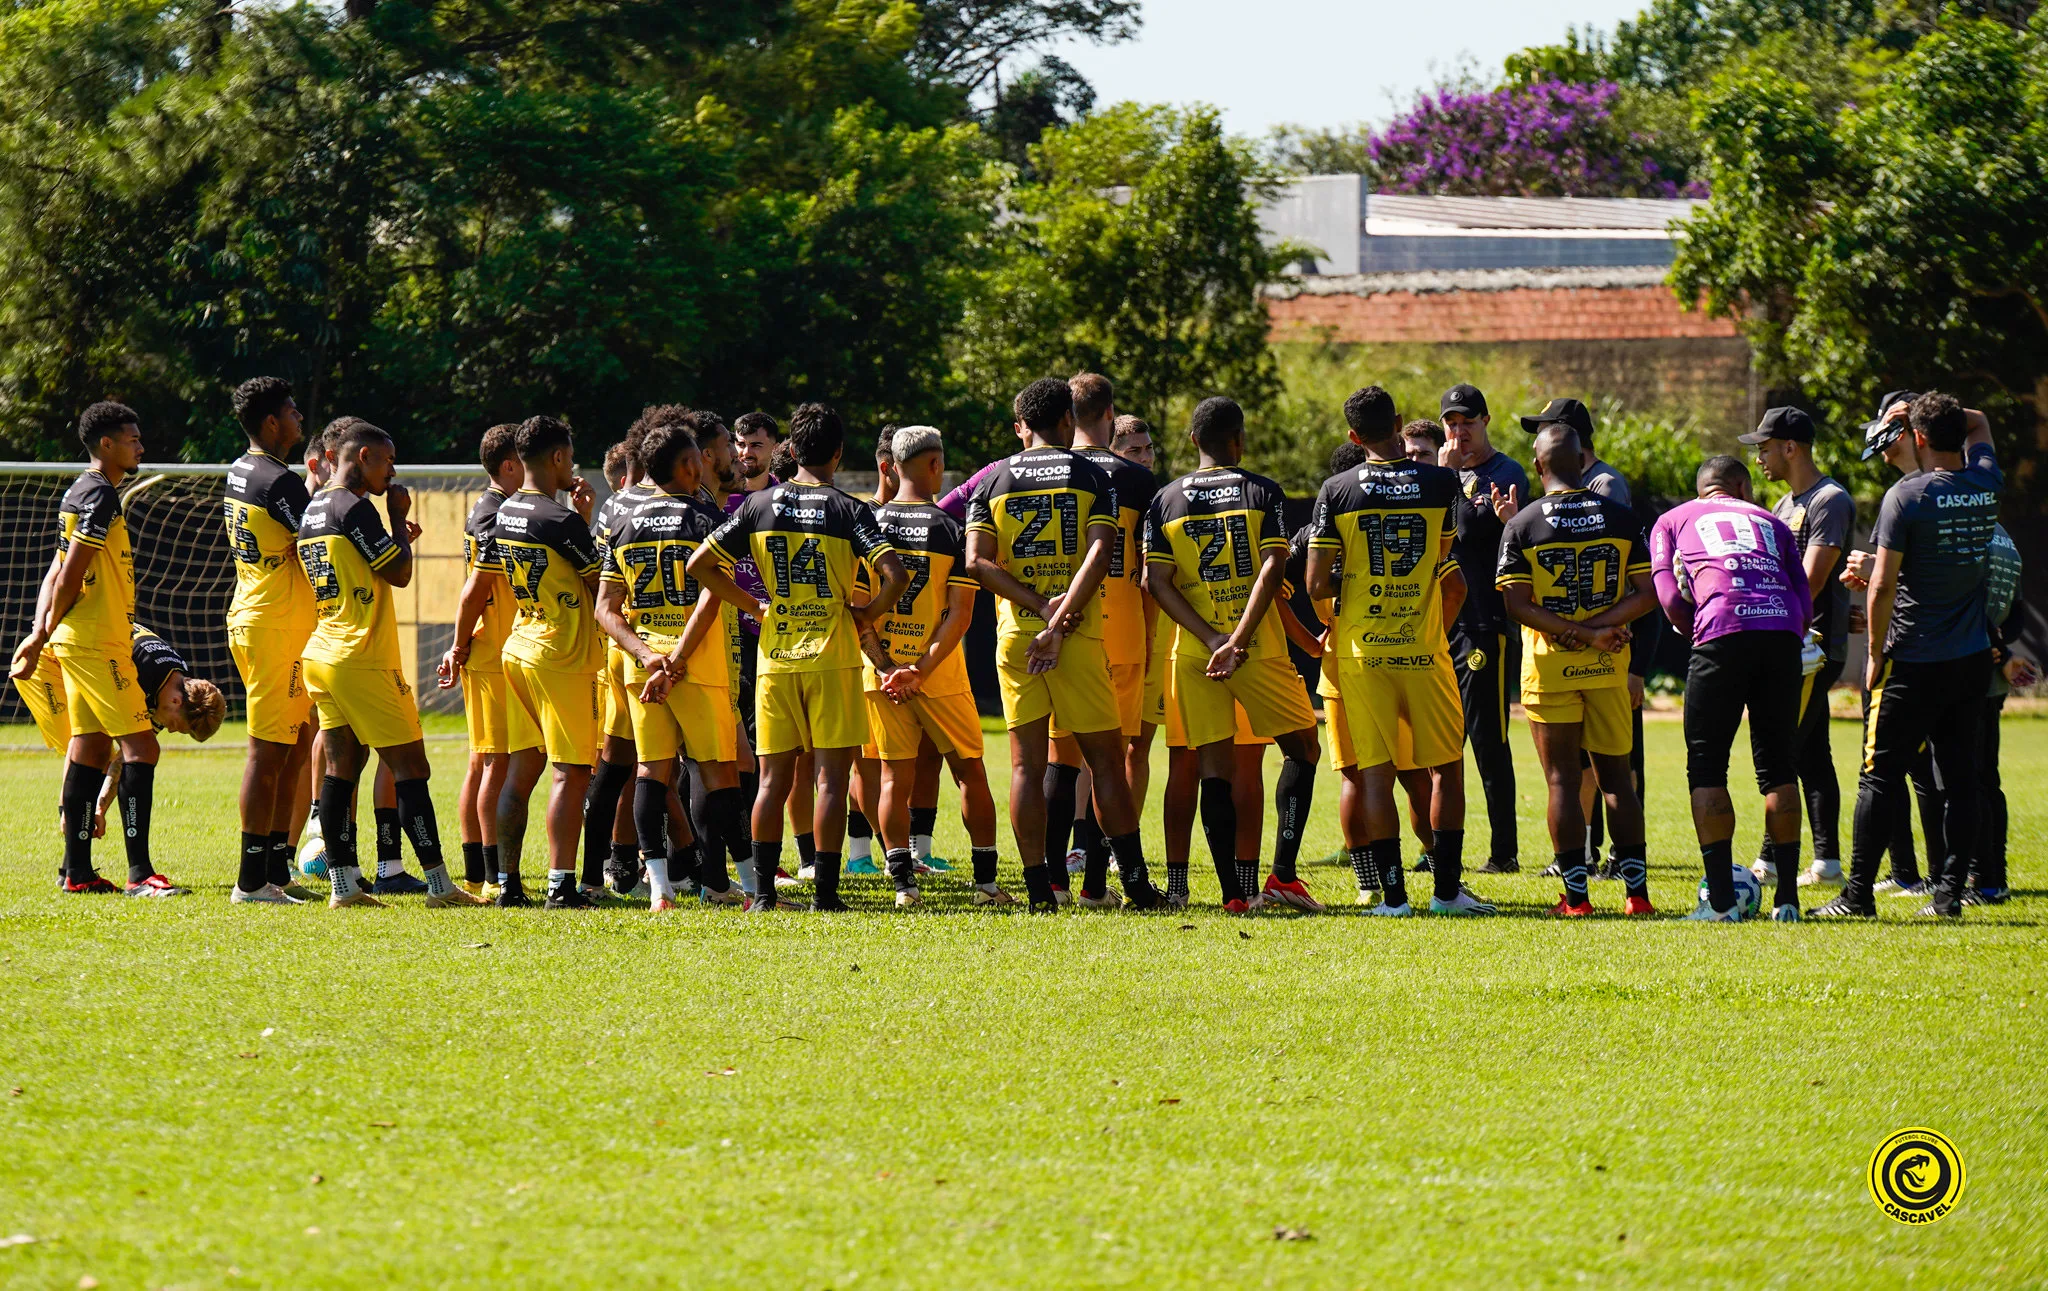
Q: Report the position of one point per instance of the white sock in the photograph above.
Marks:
(859, 849)
(989, 888)
(390, 866)
(657, 877)
(921, 846)
(438, 884)
(345, 880)
(556, 878)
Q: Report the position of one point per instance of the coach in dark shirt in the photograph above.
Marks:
(1930, 658)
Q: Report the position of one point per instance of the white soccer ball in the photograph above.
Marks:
(1749, 891)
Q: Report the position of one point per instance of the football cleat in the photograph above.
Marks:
(1077, 860)
(268, 894)
(1706, 913)
(1107, 899)
(96, 884)
(908, 897)
(822, 904)
(512, 896)
(1392, 911)
(491, 891)
(455, 896)
(1423, 860)
(1637, 906)
(1821, 872)
(983, 896)
(1061, 896)
(1893, 888)
(1787, 913)
(300, 891)
(1293, 894)
(1843, 908)
(1565, 909)
(1176, 901)
(1985, 896)
(770, 905)
(1499, 866)
(1934, 911)
(660, 905)
(731, 896)
(1765, 871)
(804, 874)
(1237, 906)
(473, 887)
(1608, 871)
(1553, 871)
(594, 895)
(570, 898)
(783, 878)
(156, 885)
(1368, 896)
(400, 884)
(861, 865)
(361, 898)
(934, 865)
(1143, 896)
(1462, 904)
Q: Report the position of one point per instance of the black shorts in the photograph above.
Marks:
(1757, 671)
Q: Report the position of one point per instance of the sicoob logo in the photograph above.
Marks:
(1916, 1176)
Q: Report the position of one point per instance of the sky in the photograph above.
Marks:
(1319, 62)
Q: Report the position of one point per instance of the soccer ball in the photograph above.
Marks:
(1749, 891)
(313, 851)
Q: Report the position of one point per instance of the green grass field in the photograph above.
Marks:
(195, 1095)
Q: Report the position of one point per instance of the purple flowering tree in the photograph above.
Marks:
(1546, 139)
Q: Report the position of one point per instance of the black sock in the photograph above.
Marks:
(902, 868)
(492, 860)
(387, 837)
(255, 868)
(650, 808)
(984, 866)
(1572, 867)
(81, 795)
(1248, 876)
(1447, 863)
(685, 867)
(416, 819)
(473, 863)
(1129, 851)
(600, 813)
(1293, 795)
(1094, 874)
(727, 824)
(767, 859)
(806, 849)
(1038, 882)
(1365, 869)
(1088, 833)
(281, 858)
(1219, 826)
(925, 821)
(134, 797)
(1786, 857)
(1632, 859)
(625, 858)
(1059, 818)
(857, 825)
(1177, 881)
(337, 806)
(1719, 860)
(825, 886)
(1386, 859)
(561, 884)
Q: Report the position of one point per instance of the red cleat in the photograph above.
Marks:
(1638, 905)
(1566, 909)
(92, 885)
(1293, 894)
(1239, 906)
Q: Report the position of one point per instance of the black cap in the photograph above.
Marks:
(1569, 412)
(1781, 423)
(1464, 399)
(1877, 433)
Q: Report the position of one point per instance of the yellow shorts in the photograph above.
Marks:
(1152, 705)
(43, 694)
(1343, 753)
(375, 703)
(618, 713)
(1267, 691)
(1077, 694)
(822, 709)
(1607, 717)
(102, 695)
(697, 721)
(483, 707)
(896, 731)
(1410, 716)
(273, 674)
(1127, 685)
(561, 712)
(1176, 734)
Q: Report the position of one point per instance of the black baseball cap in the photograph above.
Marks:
(1568, 412)
(1464, 399)
(1781, 423)
(1878, 434)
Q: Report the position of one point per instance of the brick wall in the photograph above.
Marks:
(1472, 317)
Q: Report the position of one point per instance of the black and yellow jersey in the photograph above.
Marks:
(480, 552)
(1576, 551)
(1391, 525)
(1042, 505)
(806, 540)
(155, 660)
(343, 544)
(547, 551)
(648, 550)
(265, 505)
(1210, 531)
(98, 621)
(1123, 595)
(933, 548)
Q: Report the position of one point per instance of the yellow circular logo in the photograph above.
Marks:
(1476, 661)
(1916, 1176)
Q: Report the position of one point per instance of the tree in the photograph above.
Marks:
(1320, 150)
(1045, 96)
(967, 43)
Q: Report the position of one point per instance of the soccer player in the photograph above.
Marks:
(1217, 541)
(610, 847)
(1822, 517)
(1382, 549)
(269, 620)
(1485, 645)
(806, 536)
(1128, 618)
(923, 699)
(677, 678)
(1040, 532)
(1730, 576)
(483, 619)
(864, 781)
(352, 663)
(1574, 572)
(554, 704)
(1930, 661)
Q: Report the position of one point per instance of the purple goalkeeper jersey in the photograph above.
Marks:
(1724, 566)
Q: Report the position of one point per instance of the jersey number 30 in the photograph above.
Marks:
(1588, 578)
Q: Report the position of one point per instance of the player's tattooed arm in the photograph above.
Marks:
(894, 576)
(710, 571)
(611, 605)
(985, 569)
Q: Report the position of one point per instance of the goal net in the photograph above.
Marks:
(184, 569)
